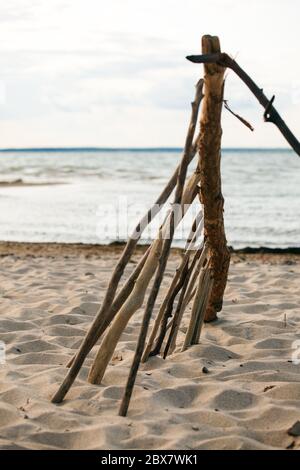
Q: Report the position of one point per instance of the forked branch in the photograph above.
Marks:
(271, 114)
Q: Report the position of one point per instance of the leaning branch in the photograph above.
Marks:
(271, 114)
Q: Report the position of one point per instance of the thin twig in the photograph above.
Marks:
(240, 118)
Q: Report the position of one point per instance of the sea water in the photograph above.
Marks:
(99, 195)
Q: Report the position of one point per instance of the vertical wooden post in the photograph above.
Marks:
(210, 177)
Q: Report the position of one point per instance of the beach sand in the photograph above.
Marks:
(249, 397)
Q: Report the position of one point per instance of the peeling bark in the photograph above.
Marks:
(210, 177)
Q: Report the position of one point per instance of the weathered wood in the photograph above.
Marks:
(185, 284)
(107, 347)
(210, 186)
(93, 332)
(180, 308)
(108, 308)
(136, 298)
(174, 288)
(178, 199)
(165, 303)
(202, 310)
(200, 259)
(144, 327)
(181, 277)
(103, 316)
(168, 313)
(176, 315)
(201, 263)
(133, 302)
(271, 114)
(200, 293)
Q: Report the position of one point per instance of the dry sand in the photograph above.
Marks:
(249, 398)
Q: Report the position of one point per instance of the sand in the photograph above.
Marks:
(248, 398)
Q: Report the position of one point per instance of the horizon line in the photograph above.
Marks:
(131, 149)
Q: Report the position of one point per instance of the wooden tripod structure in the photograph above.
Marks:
(201, 276)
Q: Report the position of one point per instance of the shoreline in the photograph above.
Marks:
(132, 149)
(89, 249)
(19, 183)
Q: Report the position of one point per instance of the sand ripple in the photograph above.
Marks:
(248, 399)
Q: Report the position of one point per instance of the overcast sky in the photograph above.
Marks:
(113, 73)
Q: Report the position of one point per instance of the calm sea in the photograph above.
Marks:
(101, 195)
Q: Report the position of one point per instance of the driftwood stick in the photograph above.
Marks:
(177, 312)
(240, 118)
(183, 278)
(201, 263)
(106, 312)
(201, 315)
(144, 327)
(81, 354)
(168, 312)
(210, 169)
(130, 246)
(189, 195)
(123, 293)
(189, 294)
(170, 293)
(204, 294)
(181, 306)
(99, 365)
(163, 307)
(164, 256)
(111, 311)
(183, 301)
(135, 299)
(195, 310)
(173, 289)
(272, 115)
(132, 304)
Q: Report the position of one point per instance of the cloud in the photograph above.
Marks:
(68, 65)
(15, 11)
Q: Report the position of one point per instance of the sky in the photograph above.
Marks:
(114, 74)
